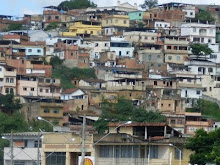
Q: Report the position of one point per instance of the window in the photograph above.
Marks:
(198, 92)
(177, 153)
(11, 80)
(47, 90)
(7, 80)
(11, 90)
(158, 56)
(173, 121)
(91, 32)
(126, 151)
(149, 57)
(210, 88)
(106, 151)
(116, 21)
(29, 50)
(56, 111)
(154, 152)
(145, 37)
(38, 51)
(19, 163)
(24, 89)
(152, 65)
(178, 57)
(210, 31)
(41, 90)
(0, 69)
(32, 89)
(49, 17)
(139, 14)
(209, 40)
(210, 69)
(47, 80)
(191, 13)
(36, 144)
(125, 21)
(170, 57)
(155, 82)
(112, 97)
(161, 105)
(169, 105)
(82, 107)
(56, 17)
(127, 52)
(179, 121)
(46, 111)
(55, 158)
(169, 47)
(202, 40)
(6, 90)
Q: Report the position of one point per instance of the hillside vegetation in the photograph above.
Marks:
(207, 108)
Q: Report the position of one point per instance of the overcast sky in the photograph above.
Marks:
(20, 7)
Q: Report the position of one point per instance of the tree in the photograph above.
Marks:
(124, 110)
(9, 104)
(55, 61)
(14, 123)
(205, 15)
(76, 4)
(148, 4)
(35, 125)
(14, 26)
(205, 147)
(200, 50)
(52, 25)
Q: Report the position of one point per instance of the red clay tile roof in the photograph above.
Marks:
(69, 91)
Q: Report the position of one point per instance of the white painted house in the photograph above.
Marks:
(199, 32)
(74, 93)
(121, 47)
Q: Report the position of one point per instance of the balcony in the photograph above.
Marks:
(151, 51)
(171, 51)
(10, 74)
(176, 42)
(198, 123)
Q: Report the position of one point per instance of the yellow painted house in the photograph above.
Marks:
(115, 21)
(83, 29)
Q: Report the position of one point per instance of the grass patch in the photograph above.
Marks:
(66, 74)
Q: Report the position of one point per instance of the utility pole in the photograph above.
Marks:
(83, 140)
(12, 156)
(38, 149)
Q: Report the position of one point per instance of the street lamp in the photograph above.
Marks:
(41, 118)
(180, 152)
